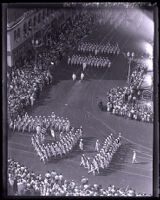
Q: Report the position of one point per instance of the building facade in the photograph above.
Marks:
(32, 25)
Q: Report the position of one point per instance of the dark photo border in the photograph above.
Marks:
(4, 6)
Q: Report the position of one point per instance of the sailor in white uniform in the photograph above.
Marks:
(81, 145)
(97, 146)
(82, 76)
(134, 157)
(73, 77)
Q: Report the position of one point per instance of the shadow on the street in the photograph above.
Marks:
(118, 160)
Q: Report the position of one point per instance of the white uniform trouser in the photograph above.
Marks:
(74, 77)
(82, 76)
(81, 146)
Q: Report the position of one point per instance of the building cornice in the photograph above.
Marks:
(20, 19)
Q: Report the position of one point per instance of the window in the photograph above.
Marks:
(51, 11)
(14, 53)
(30, 25)
(39, 18)
(43, 14)
(47, 12)
(18, 33)
(15, 35)
(24, 29)
(34, 21)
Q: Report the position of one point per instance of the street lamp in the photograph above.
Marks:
(36, 44)
(130, 58)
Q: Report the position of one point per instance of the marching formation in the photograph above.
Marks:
(104, 155)
(99, 48)
(67, 141)
(93, 61)
(23, 182)
(30, 124)
(57, 127)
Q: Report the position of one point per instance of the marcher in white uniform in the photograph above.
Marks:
(32, 100)
(96, 51)
(52, 133)
(38, 129)
(97, 146)
(73, 77)
(84, 66)
(134, 157)
(83, 159)
(81, 145)
(82, 76)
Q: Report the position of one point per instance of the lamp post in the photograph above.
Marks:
(130, 58)
(51, 65)
(36, 44)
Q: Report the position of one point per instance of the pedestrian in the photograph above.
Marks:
(81, 145)
(134, 157)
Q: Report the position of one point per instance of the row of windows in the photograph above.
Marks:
(20, 51)
(27, 27)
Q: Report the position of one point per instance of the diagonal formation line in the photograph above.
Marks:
(105, 124)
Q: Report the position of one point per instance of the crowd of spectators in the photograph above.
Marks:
(104, 156)
(124, 101)
(112, 17)
(99, 48)
(26, 82)
(136, 77)
(93, 61)
(109, 5)
(24, 86)
(23, 182)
